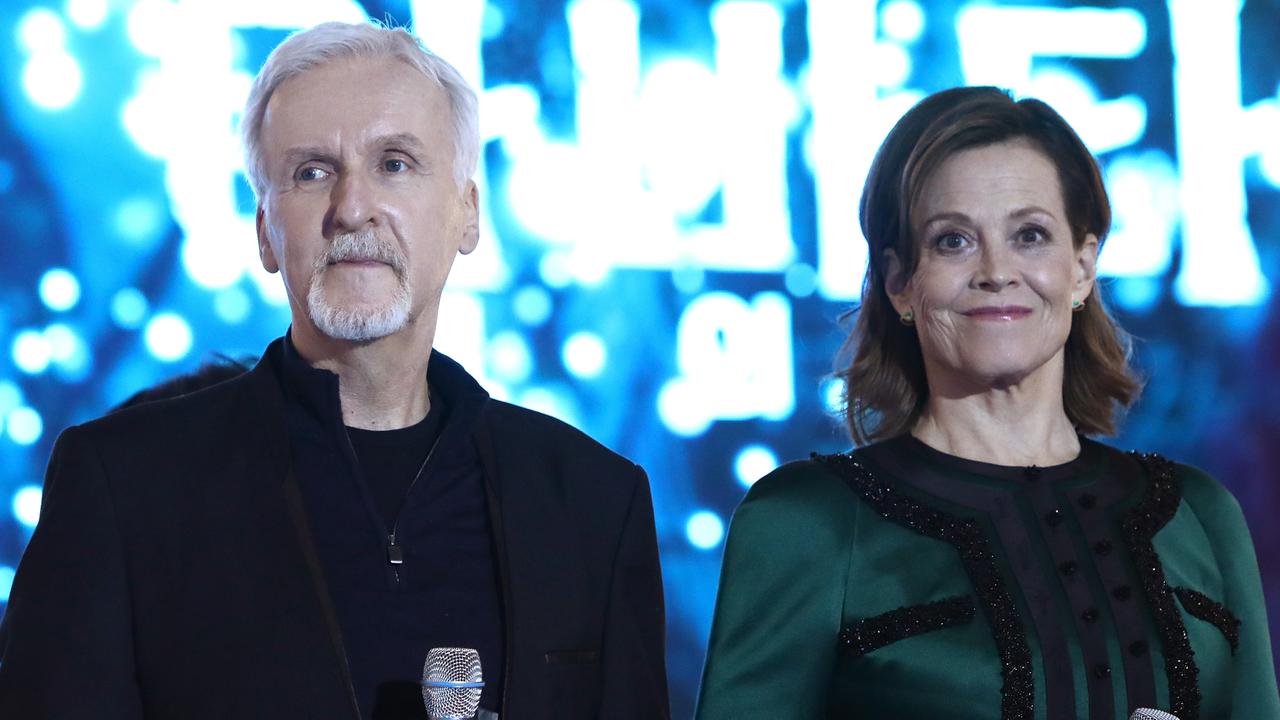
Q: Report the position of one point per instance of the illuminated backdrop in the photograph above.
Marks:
(670, 228)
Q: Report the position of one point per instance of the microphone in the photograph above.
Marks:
(451, 683)
(1149, 714)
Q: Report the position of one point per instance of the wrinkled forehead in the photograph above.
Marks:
(1014, 170)
(347, 103)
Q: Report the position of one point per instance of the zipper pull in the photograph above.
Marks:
(395, 555)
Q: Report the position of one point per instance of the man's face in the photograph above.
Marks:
(362, 213)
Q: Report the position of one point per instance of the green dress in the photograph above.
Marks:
(900, 582)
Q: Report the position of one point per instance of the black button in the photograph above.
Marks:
(1122, 593)
(1053, 518)
(1101, 671)
(1087, 501)
(1089, 615)
(1102, 547)
(1138, 648)
(1068, 568)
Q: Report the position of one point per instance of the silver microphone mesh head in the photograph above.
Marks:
(1149, 714)
(443, 671)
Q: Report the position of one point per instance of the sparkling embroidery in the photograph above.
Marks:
(1140, 525)
(1018, 692)
(1197, 604)
(875, 632)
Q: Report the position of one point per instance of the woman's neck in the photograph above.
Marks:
(1023, 423)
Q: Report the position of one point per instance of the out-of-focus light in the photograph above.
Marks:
(549, 402)
(138, 219)
(1270, 165)
(584, 354)
(41, 31)
(688, 279)
(24, 425)
(532, 305)
(681, 409)
(704, 529)
(149, 24)
(88, 14)
(892, 65)
(754, 197)
(752, 463)
(168, 337)
(509, 357)
(59, 289)
(10, 397)
(6, 582)
(26, 505)
(902, 20)
(833, 396)
(492, 22)
(31, 352)
(801, 280)
(1136, 294)
(52, 79)
(678, 114)
(63, 342)
(128, 308)
(536, 185)
(555, 270)
(231, 305)
(210, 262)
(735, 362)
(146, 117)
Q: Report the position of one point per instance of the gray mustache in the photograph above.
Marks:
(362, 246)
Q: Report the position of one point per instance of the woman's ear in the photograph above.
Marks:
(895, 282)
(1086, 270)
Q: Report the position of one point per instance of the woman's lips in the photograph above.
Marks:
(1001, 312)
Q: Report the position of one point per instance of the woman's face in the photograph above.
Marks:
(998, 272)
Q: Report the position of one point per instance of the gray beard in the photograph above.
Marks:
(363, 325)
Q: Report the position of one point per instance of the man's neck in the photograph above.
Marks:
(382, 384)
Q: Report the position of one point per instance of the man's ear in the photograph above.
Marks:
(895, 282)
(1086, 270)
(471, 226)
(265, 253)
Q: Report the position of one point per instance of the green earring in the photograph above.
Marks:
(907, 318)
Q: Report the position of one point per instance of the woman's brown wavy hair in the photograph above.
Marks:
(880, 362)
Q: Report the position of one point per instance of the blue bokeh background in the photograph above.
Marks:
(670, 234)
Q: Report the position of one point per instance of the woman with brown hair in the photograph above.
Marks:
(979, 556)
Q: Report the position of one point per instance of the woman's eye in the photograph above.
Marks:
(311, 174)
(1032, 235)
(950, 241)
(395, 165)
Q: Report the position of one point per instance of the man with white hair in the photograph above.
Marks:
(292, 542)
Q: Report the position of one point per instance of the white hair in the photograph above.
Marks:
(333, 40)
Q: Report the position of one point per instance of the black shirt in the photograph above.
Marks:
(445, 591)
(393, 460)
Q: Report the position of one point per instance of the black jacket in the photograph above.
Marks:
(172, 574)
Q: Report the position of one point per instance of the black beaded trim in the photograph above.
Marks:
(1199, 605)
(1140, 525)
(1017, 693)
(875, 632)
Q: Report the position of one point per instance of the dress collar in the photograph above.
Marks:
(911, 449)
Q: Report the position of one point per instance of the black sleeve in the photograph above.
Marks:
(634, 652)
(66, 648)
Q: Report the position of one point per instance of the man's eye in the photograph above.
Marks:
(312, 174)
(394, 165)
